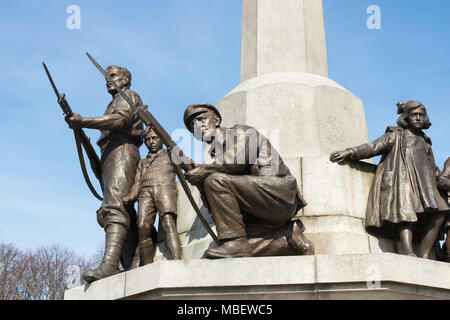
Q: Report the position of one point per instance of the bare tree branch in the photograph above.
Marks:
(42, 274)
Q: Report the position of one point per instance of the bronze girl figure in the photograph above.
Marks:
(404, 202)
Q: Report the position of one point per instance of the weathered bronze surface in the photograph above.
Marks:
(250, 192)
(444, 184)
(404, 201)
(155, 190)
(247, 188)
(121, 136)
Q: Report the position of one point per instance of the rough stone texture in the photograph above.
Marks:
(187, 219)
(337, 199)
(281, 36)
(364, 276)
(311, 115)
(111, 288)
(335, 189)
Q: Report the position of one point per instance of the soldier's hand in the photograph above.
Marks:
(75, 121)
(196, 176)
(340, 156)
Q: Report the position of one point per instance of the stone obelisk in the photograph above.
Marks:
(285, 91)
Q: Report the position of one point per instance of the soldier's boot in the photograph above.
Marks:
(174, 245)
(146, 250)
(234, 248)
(115, 239)
(297, 240)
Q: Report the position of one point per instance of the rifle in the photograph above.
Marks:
(186, 163)
(81, 140)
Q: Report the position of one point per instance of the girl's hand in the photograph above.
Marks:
(340, 156)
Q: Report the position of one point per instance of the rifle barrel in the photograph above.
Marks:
(81, 139)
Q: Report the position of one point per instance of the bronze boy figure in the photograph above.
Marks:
(250, 192)
(444, 184)
(404, 201)
(120, 139)
(155, 190)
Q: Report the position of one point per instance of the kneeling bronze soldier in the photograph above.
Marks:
(155, 190)
(250, 192)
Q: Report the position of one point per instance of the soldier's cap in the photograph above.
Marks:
(195, 109)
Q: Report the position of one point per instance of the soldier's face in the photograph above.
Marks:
(118, 78)
(417, 118)
(205, 125)
(153, 142)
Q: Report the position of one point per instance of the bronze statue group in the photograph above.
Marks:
(249, 191)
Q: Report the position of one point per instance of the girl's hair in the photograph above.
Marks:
(404, 109)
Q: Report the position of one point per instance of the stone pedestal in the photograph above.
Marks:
(310, 115)
(365, 276)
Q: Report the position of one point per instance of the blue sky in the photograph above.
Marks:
(179, 52)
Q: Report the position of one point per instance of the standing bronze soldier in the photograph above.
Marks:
(120, 139)
(250, 192)
(156, 190)
(404, 201)
(444, 184)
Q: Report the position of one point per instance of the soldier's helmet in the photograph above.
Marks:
(195, 109)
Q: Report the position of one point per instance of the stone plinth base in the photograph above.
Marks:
(362, 276)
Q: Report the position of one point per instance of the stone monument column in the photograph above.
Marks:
(282, 36)
(285, 92)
